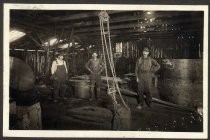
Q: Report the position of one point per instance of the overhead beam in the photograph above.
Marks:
(125, 18)
(77, 16)
(30, 25)
(133, 25)
(140, 31)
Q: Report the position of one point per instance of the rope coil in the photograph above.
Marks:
(107, 54)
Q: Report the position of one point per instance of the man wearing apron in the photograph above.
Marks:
(59, 73)
(145, 68)
(95, 66)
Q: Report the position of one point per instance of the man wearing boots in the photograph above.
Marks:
(95, 66)
(145, 68)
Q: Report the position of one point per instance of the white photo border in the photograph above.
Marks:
(100, 134)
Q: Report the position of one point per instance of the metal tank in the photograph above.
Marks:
(181, 81)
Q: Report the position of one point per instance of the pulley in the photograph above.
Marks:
(103, 16)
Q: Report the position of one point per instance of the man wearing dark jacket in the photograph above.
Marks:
(95, 66)
(145, 68)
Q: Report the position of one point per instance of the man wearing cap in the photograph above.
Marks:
(145, 68)
(95, 66)
(59, 73)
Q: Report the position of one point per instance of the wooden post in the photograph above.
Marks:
(45, 65)
(73, 46)
(47, 60)
(68, 49)
(37, 65)
(199, 52)
(25, 55)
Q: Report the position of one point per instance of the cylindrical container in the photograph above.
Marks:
(181, 81)
(81, 88)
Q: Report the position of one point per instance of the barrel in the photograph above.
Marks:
(21, 75)
(81, 88)
(182, 82)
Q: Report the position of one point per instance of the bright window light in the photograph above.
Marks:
(15, 34)
(45, 44)
(64, 46)
(52, 41)
(119, 47)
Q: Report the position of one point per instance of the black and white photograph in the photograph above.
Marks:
(79, 70)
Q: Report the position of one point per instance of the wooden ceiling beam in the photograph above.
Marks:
(130, 35)
(77, 16)
(134, 25)
(126, 18)
(130, 32)
(29, 26)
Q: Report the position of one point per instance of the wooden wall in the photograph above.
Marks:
(174, 48)
(160, 48)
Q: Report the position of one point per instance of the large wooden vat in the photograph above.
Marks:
(182, 83)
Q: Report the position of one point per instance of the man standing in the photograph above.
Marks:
(95, 66)
(145, 68)
(59, 74)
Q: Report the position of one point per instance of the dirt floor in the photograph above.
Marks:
(66, 115)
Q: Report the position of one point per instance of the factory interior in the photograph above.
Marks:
(174, 40)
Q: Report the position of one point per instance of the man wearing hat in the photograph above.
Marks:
(95, 66)
(145, 68)
(59, 74)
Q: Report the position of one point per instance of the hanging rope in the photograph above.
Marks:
(107, 50)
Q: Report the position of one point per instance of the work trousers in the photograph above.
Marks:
(59, 88)
(95, 81)
(29, 117)
(144, 87)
